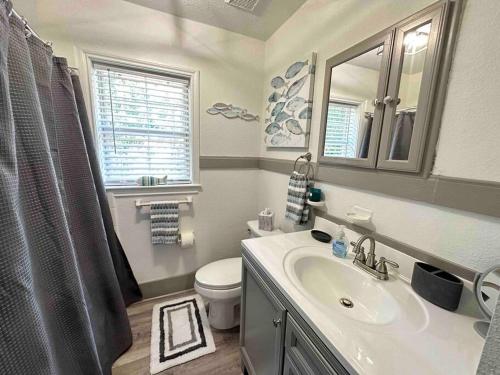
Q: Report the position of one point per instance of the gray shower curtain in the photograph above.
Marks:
(128, 284)
(61, 308)
(401, 136)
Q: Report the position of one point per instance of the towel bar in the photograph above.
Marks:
(139, 203)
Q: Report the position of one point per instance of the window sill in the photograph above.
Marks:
(123, 191)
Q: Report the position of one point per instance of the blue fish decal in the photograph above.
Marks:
(306, 113)
(296, 103)
(282, 116)
(278, 82)
(277, 108)
(273, 128)
(279, 139)
(295, 68)
(293, 126)
(296, 87)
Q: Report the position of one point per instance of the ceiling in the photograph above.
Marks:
(370, 60)
(266, 18)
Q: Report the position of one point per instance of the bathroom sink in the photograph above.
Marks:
(338, 287)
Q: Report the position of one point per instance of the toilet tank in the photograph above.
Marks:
(254, 231)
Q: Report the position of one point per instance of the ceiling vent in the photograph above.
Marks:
(247, 5)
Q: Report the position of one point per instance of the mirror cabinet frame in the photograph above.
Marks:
(384, 38)
(430, 100)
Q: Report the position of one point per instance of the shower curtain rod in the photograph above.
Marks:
(26, 25)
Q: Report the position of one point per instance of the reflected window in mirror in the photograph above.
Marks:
(354, 87)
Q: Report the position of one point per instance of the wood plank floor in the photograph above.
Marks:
(225, 360)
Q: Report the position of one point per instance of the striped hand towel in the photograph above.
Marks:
(296, 208)
(164, 222)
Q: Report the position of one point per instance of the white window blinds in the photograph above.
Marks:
(341, 136)
(143, 125)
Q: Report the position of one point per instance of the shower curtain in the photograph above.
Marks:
(61, 307)
(366, 136)
(128, 285)
(489, 364)
(401, 136)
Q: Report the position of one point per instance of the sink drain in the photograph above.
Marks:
(346, 302)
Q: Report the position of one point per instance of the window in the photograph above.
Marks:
(143, 125)
(341, 138)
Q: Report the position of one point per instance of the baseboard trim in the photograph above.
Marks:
(170, 285)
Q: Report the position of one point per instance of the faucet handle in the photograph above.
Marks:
(353, 244)
(381, 265)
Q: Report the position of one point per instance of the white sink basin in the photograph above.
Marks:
(338, 287)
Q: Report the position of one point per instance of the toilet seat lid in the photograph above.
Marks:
(222, 274)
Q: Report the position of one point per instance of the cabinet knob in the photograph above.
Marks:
(388, 99)
(276, 322)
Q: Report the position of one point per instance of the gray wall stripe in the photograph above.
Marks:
(228, 162)
(476, 196)
(412, 251)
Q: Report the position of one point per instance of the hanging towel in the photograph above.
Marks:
(296, 208)
(164, 222)
(401, 137)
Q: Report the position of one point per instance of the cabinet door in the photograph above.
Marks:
(290, 368)
(262, 326)
(412, 81)
(304, 353)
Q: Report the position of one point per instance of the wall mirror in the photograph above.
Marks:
(379, 95)
(352, 125)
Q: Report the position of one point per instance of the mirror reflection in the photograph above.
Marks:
(353, 87)
(490, 290)
(414, 51)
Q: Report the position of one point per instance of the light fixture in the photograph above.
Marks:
(416, 41)
(247, 5)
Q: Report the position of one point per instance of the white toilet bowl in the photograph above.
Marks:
(219, 283)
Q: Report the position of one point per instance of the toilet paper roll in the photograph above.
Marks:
(186, 239)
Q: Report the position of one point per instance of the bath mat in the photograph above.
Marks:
(179, 333)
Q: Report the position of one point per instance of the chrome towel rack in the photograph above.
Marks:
(307, 162)
(139, 203)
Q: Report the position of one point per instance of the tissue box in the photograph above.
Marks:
(266, 220)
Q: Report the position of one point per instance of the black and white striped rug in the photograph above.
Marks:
(179, 333)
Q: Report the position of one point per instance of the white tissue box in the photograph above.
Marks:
(266, 219)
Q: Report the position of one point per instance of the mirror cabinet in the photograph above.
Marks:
(379, 95)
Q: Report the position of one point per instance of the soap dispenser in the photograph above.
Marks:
(340, 243)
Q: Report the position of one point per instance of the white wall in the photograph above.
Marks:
(230, 66)
(218, 218)
(468, 142)
(235, 69)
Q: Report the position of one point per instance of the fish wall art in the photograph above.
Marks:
(289, 104)
(229, 111)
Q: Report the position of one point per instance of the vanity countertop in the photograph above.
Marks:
(447, 344)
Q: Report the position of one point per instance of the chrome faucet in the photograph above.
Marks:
(368, 263)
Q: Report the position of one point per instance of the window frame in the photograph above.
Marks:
(194, 111)
(346, 102)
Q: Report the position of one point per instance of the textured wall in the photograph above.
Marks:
(467, 147)
(230, 68)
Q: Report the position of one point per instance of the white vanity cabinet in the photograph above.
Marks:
(274, 339)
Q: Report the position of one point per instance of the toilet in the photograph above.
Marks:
(219, 283)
